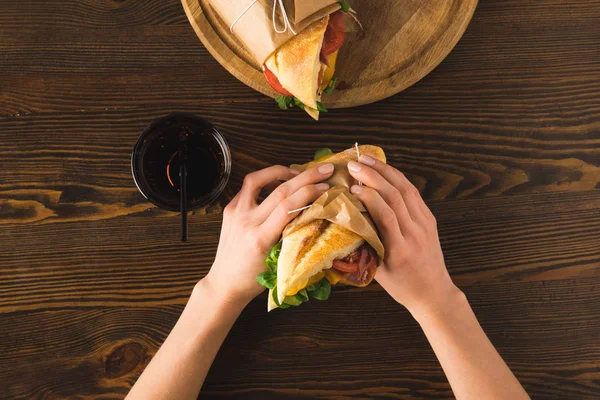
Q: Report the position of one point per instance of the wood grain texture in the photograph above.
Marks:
(97, 350)
(503, 139)
(405, 40)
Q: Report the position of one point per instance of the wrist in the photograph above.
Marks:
(221, 299)
(451, 300)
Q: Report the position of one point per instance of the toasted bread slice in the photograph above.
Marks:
(309, 251)
(297, 64)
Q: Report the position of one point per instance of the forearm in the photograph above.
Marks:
(472, 365)
(180, 366)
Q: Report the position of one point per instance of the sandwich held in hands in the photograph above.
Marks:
(331, 242)
(303, 67)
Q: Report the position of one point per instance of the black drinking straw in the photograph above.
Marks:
(183, 191)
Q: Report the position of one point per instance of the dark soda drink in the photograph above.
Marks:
(157, 157)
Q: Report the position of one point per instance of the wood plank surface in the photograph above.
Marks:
(503, 139)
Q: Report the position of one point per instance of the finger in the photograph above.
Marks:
(255, 181)
(383, 215)
(386, 190)
(282, 215)
(410, 194)
(287, 189)
(267, 190)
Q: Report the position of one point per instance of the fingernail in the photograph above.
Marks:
(354, 166)
(294, 172)
(326, 169)
(322, 186)
(367, 160)
(356, 189)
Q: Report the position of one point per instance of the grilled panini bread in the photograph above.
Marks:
(297, 65)
(309, 251)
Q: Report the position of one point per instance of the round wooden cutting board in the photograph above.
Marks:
(404, 41)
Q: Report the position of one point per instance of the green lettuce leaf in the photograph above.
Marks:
(320, 290)
(284, 102)
(329, 89)
(273, 257)
(325, 151)
(267, 279)
(321, 107)
(298, 103)
(280, 305)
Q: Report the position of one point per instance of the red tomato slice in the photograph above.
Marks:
(344, 267)
(274, 82)
(334, 34)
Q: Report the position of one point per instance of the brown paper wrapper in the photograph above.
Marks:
(339, 206)
(255, 28)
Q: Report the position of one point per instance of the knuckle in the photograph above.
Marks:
(396, 198)
(307, 191)
(228, 210)
(284, 207)
(411, 191)
(249, 180)
(388, 216)
(261, 243)
(433, 219)
(280, 194)
(281, 171)
(399, 173)
(403, 257)
(256, 241)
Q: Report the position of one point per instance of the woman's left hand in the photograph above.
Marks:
(250, 229)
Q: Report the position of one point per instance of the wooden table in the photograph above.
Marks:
(503, 139)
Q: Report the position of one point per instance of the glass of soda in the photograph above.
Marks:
(159, 151)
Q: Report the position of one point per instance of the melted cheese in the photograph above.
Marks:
(333, 276)
(312, 280)
(330, 70)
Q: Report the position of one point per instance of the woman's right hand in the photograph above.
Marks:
(413, 272)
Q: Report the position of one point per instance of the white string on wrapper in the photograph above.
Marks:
(357, 158)
(286, 21)
(241, 15)
(300, 209)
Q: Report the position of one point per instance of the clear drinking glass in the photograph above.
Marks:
(159, 151)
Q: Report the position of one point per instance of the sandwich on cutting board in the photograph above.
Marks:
(308, 261)
(303, 67)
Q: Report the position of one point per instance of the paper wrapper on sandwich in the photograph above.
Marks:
(255, 27)
(337, 206)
